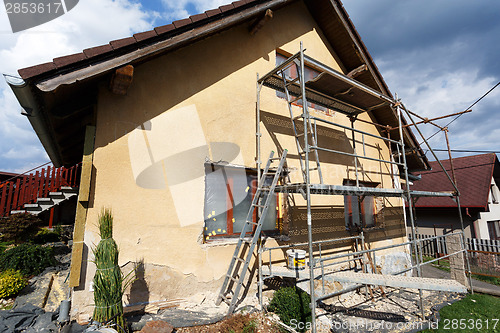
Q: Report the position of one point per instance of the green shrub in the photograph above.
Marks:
(291, 303)
(11, 282)
(4, 246)
(19, 227)
(46, 236)
(28, 258)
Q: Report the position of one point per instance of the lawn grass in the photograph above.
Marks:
(474, 313)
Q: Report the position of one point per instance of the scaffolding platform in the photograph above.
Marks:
(283, 271)
(399, 281)
(355, 190)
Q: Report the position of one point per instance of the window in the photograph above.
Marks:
(292, 73)
(494, 230)
(493, 194)
(229, 192)
(360, 212)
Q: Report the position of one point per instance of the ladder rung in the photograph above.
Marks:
(297, 117)
(296, 99)
(261, 206)
(249, 222)
(298, 135)
(275, 158)
(239, 259)
(233, 279)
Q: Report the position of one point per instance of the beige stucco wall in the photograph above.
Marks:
(194, 104)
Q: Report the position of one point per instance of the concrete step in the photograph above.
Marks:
(54, 199)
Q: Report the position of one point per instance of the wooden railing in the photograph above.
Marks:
(26, 188)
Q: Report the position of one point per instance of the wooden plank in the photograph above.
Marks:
(88, 149)
(81, 207)
(76, 264)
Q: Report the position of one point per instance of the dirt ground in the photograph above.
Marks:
(395, 310)
(256, 322)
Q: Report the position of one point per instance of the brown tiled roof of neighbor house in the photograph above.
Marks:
(137, 40)
(473, 174)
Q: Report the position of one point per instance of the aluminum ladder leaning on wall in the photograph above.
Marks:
(241, 260)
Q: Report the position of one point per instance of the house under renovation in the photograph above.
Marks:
(254, 128)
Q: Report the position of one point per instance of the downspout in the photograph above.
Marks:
(32, 110)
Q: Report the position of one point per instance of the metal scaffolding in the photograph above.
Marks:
(324, 90)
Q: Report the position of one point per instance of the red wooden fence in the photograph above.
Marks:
(25, 189)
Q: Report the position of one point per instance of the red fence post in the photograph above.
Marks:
(3, 198)
(47, 185)
(9, 198)
(16, 201)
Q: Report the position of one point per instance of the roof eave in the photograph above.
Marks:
(28, 101)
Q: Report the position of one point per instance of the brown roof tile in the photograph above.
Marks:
(225, 8)
(145, 35)
(198, 17)
(119, 43)
(164, 28)
(473, 175)
(31, 71)
(98, 50)
(239, 3)
(69, 59)
(181, 23)
(213, 12)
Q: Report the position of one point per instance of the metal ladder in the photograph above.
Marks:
(236, 272)
(305, 116)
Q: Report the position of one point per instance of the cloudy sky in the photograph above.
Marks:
(438, 55)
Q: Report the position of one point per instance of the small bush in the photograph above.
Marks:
(291, 303)
(4, 246)
(46, 236)
(19, 227)
(11, 282)
(28, 258)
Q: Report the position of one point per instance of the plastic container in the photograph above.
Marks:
(296, 259)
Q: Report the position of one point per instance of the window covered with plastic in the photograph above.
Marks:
(229, 192)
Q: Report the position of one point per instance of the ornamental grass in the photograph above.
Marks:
(109, 282)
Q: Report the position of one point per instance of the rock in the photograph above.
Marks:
(157, 326)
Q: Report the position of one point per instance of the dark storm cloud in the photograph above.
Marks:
(441, 56)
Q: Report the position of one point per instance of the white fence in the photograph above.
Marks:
(433, 246)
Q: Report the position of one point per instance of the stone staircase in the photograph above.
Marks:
(46, 203)
(38, 191)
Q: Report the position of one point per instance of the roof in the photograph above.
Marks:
(473, 175)
(60, 96)
(7, 175)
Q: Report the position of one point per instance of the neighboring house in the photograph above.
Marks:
(166, 124)
(477, 178)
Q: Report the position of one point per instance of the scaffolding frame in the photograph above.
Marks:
(297, 88)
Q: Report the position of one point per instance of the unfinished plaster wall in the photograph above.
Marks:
(192, 105)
